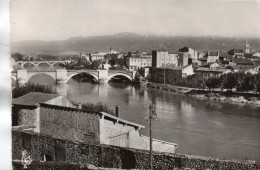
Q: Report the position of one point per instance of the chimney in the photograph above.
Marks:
(117, 110)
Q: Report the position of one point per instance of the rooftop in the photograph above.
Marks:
(213, 53)
(105, 115)
(220, 70)
(33, 98)
(236, 51)
(242, 61)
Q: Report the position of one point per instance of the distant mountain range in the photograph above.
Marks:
(128, 42)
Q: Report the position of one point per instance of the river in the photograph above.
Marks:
(199, 127)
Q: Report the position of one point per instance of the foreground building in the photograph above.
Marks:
(55, 116)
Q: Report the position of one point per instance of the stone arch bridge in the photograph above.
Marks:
(37, 63)
(63, 75)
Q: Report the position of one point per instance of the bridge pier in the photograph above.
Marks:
(22, 77)
(103, 76)
(61, 76)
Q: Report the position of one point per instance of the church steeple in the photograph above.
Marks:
(247, 48)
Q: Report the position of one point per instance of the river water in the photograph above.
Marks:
(199, 127)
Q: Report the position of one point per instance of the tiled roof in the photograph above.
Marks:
(242, 61)
(33, 98)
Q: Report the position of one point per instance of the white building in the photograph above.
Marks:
(134, 63)
(97, 56)
(164, 58)
(191, 53)
(212, 56)
(256, 55)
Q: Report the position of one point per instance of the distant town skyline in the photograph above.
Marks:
(62, 19)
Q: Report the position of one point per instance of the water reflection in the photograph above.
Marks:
(199, 127)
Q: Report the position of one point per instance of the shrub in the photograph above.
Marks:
(99, 107)
(30, 87)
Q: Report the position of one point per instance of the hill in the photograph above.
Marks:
(129, 41)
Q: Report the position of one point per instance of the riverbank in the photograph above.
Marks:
(220, 96)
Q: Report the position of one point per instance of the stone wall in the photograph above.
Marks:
(112, 157)
(24, 116)
(72, 125)
(143, 142)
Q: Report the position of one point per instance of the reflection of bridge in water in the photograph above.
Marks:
(63, 75)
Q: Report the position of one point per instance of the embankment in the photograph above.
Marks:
(220, 96)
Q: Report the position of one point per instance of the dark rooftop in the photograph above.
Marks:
(33, 98)
(213, 53)
(242, 61)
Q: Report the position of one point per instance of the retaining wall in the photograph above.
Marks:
(112, 157)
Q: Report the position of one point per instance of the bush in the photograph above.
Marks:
(99, 107)
(29, 87)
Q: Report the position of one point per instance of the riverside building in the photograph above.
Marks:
(135, 63)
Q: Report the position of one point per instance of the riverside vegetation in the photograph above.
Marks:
(238, 88)
(30, 87)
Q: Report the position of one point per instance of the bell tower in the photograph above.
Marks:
(247, 48)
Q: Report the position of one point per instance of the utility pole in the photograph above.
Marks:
(152, 115)
(164, 70)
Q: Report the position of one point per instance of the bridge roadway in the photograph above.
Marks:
(63, 76)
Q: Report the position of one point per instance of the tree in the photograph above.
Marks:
(256, 82)
(18, 56)
(96, 64)
(240, 79)
(247, 83)
(229, 81)
(29, 87)
(213, 82)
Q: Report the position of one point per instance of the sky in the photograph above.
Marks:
(62, 19)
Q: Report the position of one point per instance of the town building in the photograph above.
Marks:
(183, 59)
(202, 74)
(256, 55)
(135, 63)
(236, 52)
(191, 52)
(55, 116)
(212, 56)
(247, 48)
(170, 75)
(164, 58)
(97, 56)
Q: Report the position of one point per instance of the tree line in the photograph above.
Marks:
(240, 81)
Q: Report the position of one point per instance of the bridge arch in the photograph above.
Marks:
(32, 74)
(26, 64)
(120, 74)
(43, 62)
(74, 74)
(57, 62)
